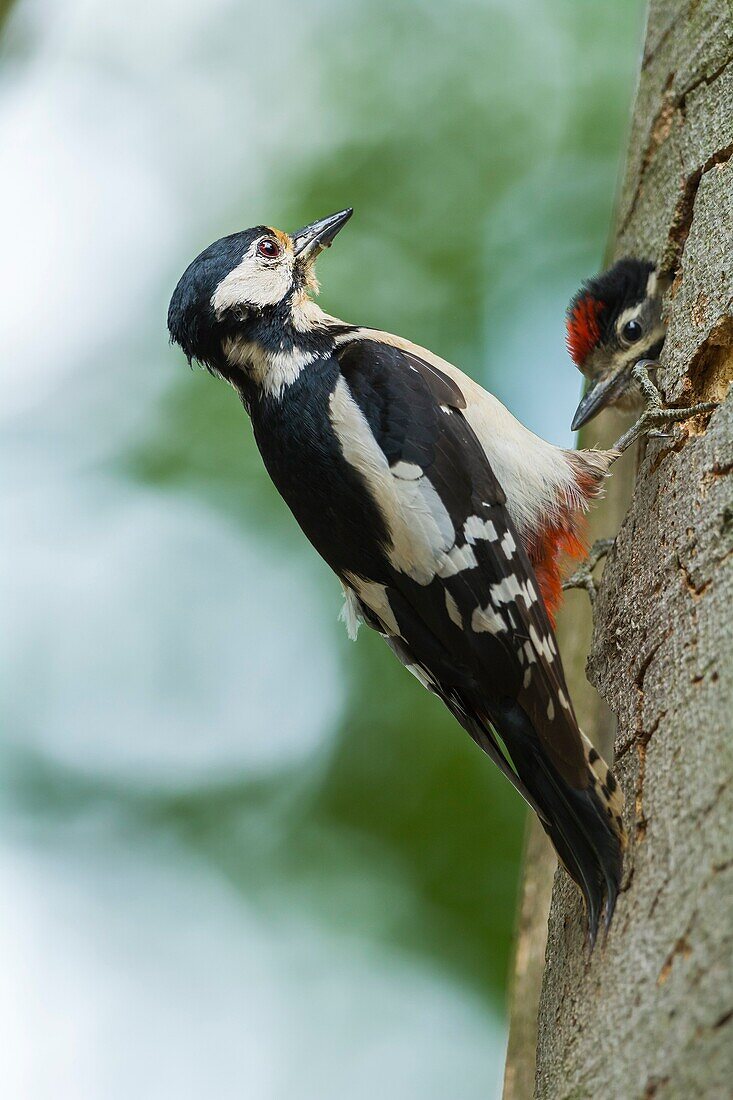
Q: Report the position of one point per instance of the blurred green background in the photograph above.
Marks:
(241, 856)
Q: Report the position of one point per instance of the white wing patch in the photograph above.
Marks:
(544, 646)
(507, 590)
(535, 475)
(407, 471)
(423, 541)
(421, 531)
(487, 620)
(350, 614)
(375, 597)
(456, 560)
(422, 675)
(562, 697)
(510, 589)
(508, 545)
(454, 613)
(476, 528)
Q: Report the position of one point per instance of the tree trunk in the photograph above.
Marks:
(651, 1014)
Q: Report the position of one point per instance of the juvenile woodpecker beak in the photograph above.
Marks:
(313, 238)
(607, 390)
(601, 393)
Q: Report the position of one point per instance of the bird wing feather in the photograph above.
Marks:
(460, 587)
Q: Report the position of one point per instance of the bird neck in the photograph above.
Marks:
(268, 352)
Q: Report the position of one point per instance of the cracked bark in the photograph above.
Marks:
(651, 1014)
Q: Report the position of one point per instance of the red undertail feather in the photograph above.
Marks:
(561, 540)
(550, 555)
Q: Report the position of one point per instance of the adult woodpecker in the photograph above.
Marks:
(615, 334)
(430, 502)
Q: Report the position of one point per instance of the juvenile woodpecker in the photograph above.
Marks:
(615, 333)
(431, 503)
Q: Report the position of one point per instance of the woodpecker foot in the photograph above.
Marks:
(583, 575)
(656, 414)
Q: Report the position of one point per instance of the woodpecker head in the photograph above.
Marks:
(612, 322)
(252, 284)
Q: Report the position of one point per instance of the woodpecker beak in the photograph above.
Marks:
(608, 390)
(313, 238)
(600, 394)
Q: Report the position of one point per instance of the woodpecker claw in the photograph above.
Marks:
(583, 575)
(656, 412)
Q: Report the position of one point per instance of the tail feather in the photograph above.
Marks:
(584, 825)
(589, 849)
(606, 788)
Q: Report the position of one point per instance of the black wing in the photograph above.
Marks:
(476, 630)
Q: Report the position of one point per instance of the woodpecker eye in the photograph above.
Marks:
(631, 332)
(268, 248)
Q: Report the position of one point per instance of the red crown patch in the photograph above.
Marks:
(583, 331)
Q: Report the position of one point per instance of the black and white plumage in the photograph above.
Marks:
(615, 334)
(614, 321)
(426, 498)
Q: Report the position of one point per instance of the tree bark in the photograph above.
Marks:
(651, 1013)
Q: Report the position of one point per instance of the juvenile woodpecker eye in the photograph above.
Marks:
(631, 332)
(268, 248)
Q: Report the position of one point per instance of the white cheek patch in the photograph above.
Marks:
(652, 330)
(253, 283)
